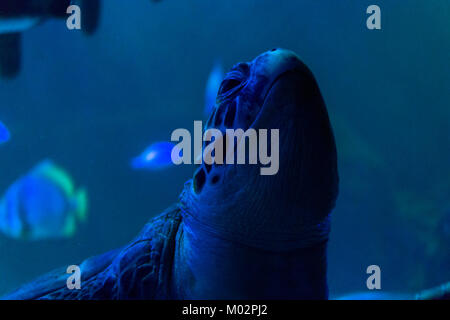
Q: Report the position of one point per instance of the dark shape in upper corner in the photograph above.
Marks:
(17, 16)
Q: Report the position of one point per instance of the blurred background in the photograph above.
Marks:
(92, 103)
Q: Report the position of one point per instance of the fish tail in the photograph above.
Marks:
(81, 204)
(70, 227)
(91, 13)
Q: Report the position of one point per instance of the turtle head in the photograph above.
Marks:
(280, 204)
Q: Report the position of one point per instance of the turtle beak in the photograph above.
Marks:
(276, 62)
(290, 85)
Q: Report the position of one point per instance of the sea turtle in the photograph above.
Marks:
(17, 16)
(234, 233)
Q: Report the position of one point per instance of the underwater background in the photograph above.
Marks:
(93, 103)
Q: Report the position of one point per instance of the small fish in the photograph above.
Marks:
(42, 205)
(212, 87)
(156, 157)
(4, 133)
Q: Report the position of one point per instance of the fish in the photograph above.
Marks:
(43, 204)
(215, 79)
(5, 135)
(156, 157)
(18, 16)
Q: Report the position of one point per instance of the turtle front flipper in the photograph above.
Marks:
(55, 282)
(10, 54)
(90, 11)
(139, 270)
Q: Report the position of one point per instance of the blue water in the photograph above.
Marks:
(92, 103)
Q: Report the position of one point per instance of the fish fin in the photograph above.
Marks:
(81, 204)
(50, 171)
(70, 226)
(10, 54)
(11, 223)
(90, 14)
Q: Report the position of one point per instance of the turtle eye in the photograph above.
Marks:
(235, 79)
(228, 85)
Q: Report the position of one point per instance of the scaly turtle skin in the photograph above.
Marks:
(17, 16)
(235, 233)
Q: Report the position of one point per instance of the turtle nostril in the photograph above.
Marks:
(274, 49)
(244, 68)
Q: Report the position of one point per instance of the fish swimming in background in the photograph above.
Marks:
(42, 205)
(156, 157)
(4, 133)
(17, 16)
(212, 87)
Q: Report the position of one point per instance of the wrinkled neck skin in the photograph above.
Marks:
(209, 267)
